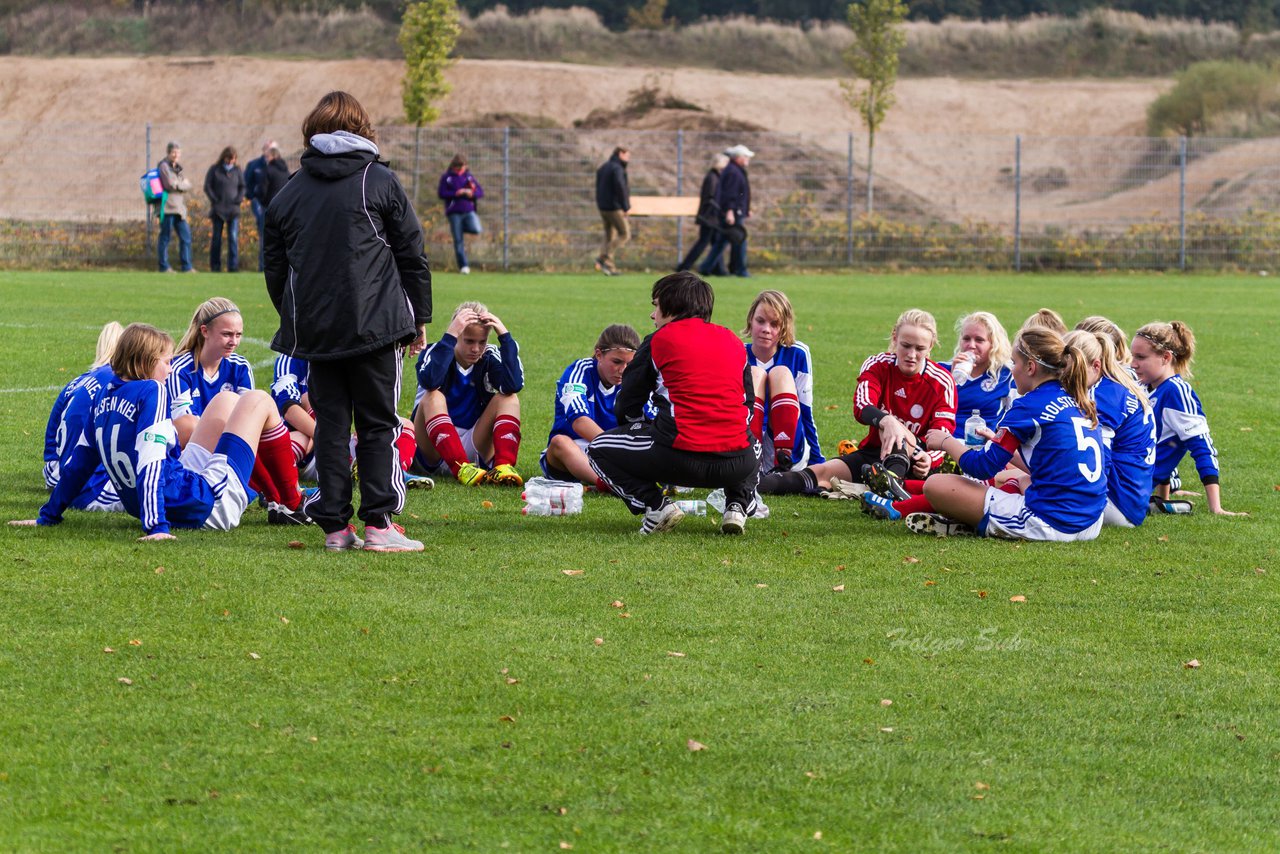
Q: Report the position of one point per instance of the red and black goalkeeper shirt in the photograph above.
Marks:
(921, 402)
(701, 387)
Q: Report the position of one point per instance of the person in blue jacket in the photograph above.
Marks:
(460, 191)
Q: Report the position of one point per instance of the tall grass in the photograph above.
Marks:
(1099, 43)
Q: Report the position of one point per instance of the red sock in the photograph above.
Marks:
(275, 452)
(603, 488)
(406, 447)
(261, 482)
(1011, 486)
(757, 419)
(506, 440)
(444, 438)
(915, 487)
(299, 453)
(914, 504)
(784, 417)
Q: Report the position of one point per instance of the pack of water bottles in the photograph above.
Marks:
(545, 497)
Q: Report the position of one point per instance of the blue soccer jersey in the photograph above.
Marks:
(796, 359)
(991, 396)
(467, 391)
(56, 441)
(1064, 454)
(134, 439)
(190, 390)
(1129, 439)
(1181, 427)
(288, 382)
(580, 393)
(75, 426)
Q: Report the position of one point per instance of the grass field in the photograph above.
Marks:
(459, 699)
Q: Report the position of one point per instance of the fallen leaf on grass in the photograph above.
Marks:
(1018, 598)
(886, 702)
(284, 619)
(1257, 570)
(981, 786)
(571, 571)
(840, 568)
(839, 588)
(982, 594)
(507, 719)
(598, 641)
(125, 680)
(979, 797)
(512, 680)
(695, 746)
(297, 544)
(886, 729)
(1193, 664)
(135, 642)
(617, 603)
(159, 570)
(566, 845)
(1246, 429)
(811, 775)
(674, 654)
(624, 615)
(911, 559)
(487, 504)
(254, 656)
(108, 650)
(762, 585)
(817, 834)
(868, 661)
(931, 584)
(1163, 538)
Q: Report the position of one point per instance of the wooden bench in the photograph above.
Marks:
(664, 206)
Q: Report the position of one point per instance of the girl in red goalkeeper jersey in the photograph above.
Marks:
(901, 395)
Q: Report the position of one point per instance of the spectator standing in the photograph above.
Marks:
(613, 198)
(734, 198)
(460, 191)
(275, 176)
(708, 213)
(346, 270)
(173, 216)
(253, 185)
(224, 187)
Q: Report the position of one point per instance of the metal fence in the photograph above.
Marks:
(69, 196)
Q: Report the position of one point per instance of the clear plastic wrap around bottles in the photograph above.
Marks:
(545, 497)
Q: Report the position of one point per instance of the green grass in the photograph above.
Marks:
(379, 716)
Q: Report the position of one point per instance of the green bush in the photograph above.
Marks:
(1215, 97)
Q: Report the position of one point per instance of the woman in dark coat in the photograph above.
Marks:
(708, 213)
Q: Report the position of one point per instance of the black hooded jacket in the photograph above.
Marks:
(343, 255)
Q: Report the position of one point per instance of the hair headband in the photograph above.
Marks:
(219, 314)
(1040, 362)
(1158, 345)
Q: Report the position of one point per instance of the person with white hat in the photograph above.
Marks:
(734, 198)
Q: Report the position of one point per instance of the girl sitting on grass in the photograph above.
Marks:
(204, 486)
(782, 377)
(1162, 354)
(1054, 427)
(981, 369)
(583, 406)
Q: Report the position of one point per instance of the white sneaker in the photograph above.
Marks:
(389, 539)
(344, 540)
(734, 520)
(466, 271)
(664, 518)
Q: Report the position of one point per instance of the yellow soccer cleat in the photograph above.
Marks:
(472, 475)
(506, 475)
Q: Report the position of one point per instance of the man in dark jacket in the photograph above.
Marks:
(224, 187)
(613, 198)
(708, 213)
(734, 197)
(254, 176)
(346, 271)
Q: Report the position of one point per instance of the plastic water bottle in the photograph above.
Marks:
(693, 507)
(972, 425)
(546, 497)
(962, 371)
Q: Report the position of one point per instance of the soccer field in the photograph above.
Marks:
(854, 686)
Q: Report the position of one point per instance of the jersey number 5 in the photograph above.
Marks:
(1085, 444)
(116, 461)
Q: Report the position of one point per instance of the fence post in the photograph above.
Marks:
(1017, 203)
(848, 207)
(1182, 203)
(506, 192)
(145, 168)
(679, 192)
(417, 151)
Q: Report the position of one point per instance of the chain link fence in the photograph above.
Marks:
(70, 197)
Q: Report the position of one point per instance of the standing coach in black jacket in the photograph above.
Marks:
(613, 198)
(345, 268)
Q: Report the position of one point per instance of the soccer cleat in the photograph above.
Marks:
(471, 474)
(389, 539)
(505, 475)
(782, 461)
(883, 482)
(664, 518)
(948, 466)
(936, 524)
(879, 507)
(278, 514)
(416, 481)
(844, 490)
(344, 540)
(846, 447)
(734, 520)
(466, 271)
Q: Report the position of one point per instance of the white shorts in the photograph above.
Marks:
(1006, 515)
(465, 435)
(1112, 517)
(230, 496)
